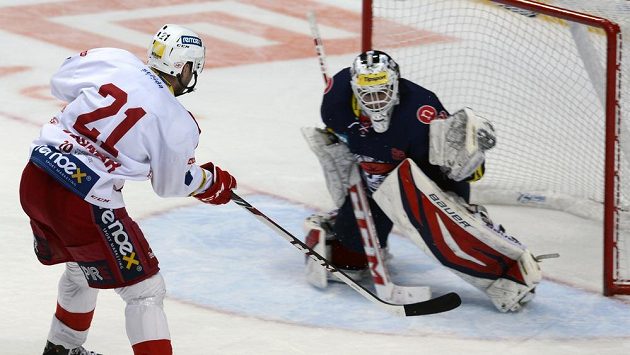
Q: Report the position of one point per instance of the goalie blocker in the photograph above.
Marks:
(490, 260)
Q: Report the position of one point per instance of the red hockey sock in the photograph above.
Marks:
(76, 321)
(153, 347)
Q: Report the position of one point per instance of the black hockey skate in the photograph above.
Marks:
(52, 349)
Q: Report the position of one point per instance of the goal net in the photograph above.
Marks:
(551, 77)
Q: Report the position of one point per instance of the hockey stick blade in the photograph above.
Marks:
(439, 304)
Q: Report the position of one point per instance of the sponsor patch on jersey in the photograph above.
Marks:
(120, 242)
(426, 114)
(381, 78)
(65, 168)
(191, 40)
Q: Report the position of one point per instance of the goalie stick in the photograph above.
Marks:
(319, 47)
(439, 304)
(385, 288)
(383, 284)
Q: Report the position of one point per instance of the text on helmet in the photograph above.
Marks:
(191, 40)
(373, 79)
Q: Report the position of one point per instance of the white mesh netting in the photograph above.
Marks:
(539, 79)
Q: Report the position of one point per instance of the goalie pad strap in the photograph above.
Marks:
(335, 159)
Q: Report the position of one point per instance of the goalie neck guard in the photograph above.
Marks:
(374, 81)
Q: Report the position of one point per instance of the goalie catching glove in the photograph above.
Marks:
(220, 191)
(458, 143)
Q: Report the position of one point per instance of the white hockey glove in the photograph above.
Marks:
(458, 143)
(335, 159)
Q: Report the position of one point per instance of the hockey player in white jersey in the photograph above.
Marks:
(121, 122)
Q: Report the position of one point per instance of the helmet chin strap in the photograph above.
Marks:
(187, 89)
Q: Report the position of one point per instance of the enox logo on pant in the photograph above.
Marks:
(120, 242)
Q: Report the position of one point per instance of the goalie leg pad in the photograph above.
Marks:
(446, 230)
(508, 295)
(323, 241)
(316, 235)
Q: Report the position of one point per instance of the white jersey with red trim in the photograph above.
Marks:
(121, 122)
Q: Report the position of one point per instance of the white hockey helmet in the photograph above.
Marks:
(173, 46)
(374, 81)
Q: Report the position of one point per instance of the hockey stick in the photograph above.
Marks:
(319, 46)
(385, 288)
(383, 284)
(439, 304)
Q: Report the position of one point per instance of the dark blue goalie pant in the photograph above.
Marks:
(347, 230)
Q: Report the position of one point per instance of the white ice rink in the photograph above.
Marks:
(234, 287)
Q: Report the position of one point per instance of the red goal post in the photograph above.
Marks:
(551, 77)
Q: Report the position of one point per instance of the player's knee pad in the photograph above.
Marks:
(148, 291)
(74, 294)
(144, 314)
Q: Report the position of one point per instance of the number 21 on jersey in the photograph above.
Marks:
(132, 116)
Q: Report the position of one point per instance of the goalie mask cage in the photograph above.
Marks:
(550, 76)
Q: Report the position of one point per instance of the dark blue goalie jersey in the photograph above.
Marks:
(407, 136)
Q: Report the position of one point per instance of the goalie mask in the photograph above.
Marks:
(374, 81)
(173, 46)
